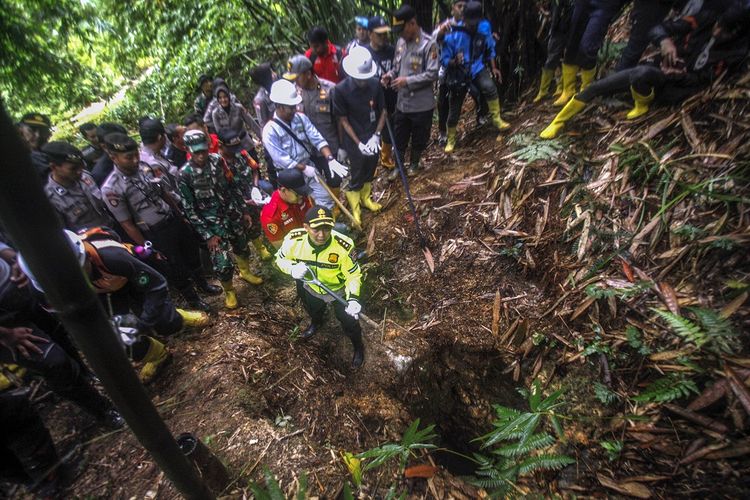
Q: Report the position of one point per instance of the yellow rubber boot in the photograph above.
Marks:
(386, 156)
(640, 104)
(499, 123)
(157, 357)
(243, 266)
(547, 75)
(193, 318)
(571, 109)
(587, 76)
(569, 72)
(11, 376)
(365, 196)
(354, 198)
(450, 144)
(263, 252)
(230, 298)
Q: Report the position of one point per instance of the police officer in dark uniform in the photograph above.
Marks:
(415, 69)
(103, 166)
(40, 127)
(72, 191)
(147, 209)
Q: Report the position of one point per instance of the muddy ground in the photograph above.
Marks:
(260, 397)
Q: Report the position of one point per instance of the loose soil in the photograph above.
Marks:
(260, 397)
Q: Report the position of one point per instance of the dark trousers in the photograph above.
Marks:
(443, 106)
(642, 78)
(486, 85)
(178, 243)
(362, 168)
(27, 453)
(316, 308)
(558, 35)
(589, 25)
(412, 128)
(646, 14)
(61, 373)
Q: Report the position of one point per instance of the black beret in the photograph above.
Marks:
(319, 216)
(61, 151)
(120, 143)
(293, 179)
(405, 13)
(150, 130)
(229, 137)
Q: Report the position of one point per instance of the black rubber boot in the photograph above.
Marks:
(359, 350)
(309, 331)
(194, 302)
(206, 287)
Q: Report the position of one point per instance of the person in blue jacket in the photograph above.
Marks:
(467, 52)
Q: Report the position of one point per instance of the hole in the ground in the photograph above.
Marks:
(455, 388)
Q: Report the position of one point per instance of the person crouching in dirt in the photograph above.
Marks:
(465, 53)
(695, 50)
(287, 208)
(125, 285)
(319, 252)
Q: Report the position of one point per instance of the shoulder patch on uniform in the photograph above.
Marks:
(273, 228)
(143, 279)
(341, 241)
(296, 233)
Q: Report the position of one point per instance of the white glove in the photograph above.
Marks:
(353, 309)
(374, 143)
(337, 168)
(258, 197)
(298, 270)
(364, 149)
(342, 155)
(309, 171)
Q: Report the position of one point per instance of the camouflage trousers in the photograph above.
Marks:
(234, 239)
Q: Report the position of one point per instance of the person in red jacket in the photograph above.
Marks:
(324, 55)
(287, 208)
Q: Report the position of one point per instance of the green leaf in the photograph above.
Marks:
(544, 462)
(667, 389)
(683, 327)
(534, 442)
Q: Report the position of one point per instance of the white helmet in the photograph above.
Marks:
(358, 64)
(76, 244)
(284, 92)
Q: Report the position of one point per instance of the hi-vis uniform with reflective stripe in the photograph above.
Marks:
(334, 265)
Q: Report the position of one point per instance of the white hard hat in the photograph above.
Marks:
(284, 92)
(76, 245)
(358, 64)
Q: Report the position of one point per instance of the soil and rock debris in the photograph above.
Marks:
(547, 257)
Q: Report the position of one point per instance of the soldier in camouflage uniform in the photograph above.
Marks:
(216, 209)
(246, 172)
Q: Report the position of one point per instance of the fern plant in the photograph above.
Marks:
(666, 389)
(412, 440)
(516, 446)
(532, 149)
(714, 331)
(604, 394)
